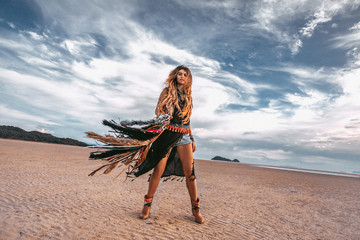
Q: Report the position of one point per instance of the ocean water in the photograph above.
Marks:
(354, 175)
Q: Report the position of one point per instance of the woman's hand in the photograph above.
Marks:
(193, 146)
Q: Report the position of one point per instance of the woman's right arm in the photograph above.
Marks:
(161, 99)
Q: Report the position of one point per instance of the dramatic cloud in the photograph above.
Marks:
(355, 27)
(275, 82)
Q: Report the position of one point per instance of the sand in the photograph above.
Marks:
(46, 194)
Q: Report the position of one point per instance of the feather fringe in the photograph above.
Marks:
(127, 132)
(108, 139)
(130, 145)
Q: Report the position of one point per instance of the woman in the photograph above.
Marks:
(164, 143)
(176, 101)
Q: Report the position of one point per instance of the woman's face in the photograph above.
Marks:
(181, 77)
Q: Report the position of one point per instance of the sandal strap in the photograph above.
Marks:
(147, 201)
(195, 207)
(147, 204)
(195, 204)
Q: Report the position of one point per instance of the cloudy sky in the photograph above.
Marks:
(274, 82)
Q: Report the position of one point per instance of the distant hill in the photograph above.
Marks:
(10, 132)
(218, 158)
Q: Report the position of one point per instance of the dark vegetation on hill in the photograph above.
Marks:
(218, 158)
(10, 132)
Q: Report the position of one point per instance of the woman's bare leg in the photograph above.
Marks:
(153, 185)
(155, 176)
(186, 158)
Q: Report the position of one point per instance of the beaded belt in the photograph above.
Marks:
(180, 128)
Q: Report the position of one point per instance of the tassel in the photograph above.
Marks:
(134, 133)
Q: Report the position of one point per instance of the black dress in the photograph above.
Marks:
(165, 144)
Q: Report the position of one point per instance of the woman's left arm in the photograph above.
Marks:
(192, 141)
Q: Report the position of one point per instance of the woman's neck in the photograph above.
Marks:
(180, 88)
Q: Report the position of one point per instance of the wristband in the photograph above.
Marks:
(192, 138)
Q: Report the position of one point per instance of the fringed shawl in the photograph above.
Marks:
(139, 146)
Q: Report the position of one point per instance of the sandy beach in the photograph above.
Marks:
(45, 193)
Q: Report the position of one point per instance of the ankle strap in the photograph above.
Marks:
(147, 201)
(195, 204)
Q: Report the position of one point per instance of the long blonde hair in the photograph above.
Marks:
(171, 96)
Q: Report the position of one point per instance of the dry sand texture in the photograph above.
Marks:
(46, 194)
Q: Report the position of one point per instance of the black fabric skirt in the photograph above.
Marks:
(158, 150)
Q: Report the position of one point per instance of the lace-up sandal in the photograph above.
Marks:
(196, 211)
(146, 209)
